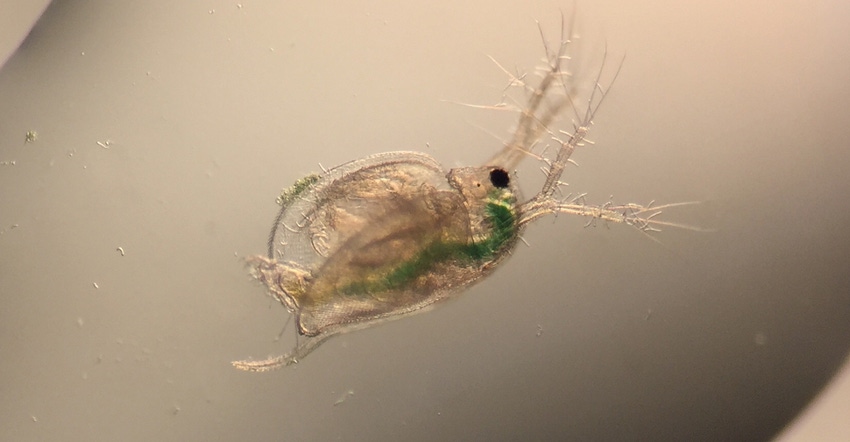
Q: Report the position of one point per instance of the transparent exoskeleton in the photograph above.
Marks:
(392, 234)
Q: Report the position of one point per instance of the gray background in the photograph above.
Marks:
(210, 109)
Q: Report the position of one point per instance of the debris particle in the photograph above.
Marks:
(31, 137)
(344, 396)
(95, 285)
(120, 250)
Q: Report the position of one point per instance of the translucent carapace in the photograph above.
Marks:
(394, 233)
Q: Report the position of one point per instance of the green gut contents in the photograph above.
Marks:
(503, 224)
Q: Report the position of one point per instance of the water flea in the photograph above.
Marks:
(393, 234)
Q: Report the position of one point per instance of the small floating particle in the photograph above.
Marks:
(34, 419)
(344, 396)
(120, 250)
(539, 331)
(105, 144)
(80, 322)
(31, 136)
(95, 285)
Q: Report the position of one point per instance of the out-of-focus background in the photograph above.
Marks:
(142, 145)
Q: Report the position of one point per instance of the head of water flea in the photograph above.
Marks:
(393, 234)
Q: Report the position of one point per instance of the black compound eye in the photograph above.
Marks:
(500, 178)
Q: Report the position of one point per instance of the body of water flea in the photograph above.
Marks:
(422, 156)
